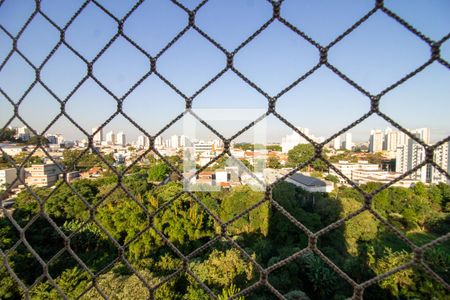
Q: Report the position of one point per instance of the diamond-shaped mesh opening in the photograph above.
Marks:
(231, 27)
(16, 76)
(122, 75)
(276, 38)
(407, 100)
(38, 40)
(55, 76)
(22, 11)
(330, 103)
(143, 26)
(189, 63)
(27, 268)
(379, 47)
(166, 105)
(105, 217)
(89, 40)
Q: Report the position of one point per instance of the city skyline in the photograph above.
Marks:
(419, 102)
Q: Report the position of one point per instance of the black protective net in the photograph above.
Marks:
(416, 259)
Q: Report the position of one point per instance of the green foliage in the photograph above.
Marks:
(122, 287)
(445, 192)
(375, 158)
(28, 161)
(273, 147)
(361, 246)
(273, 162)
(407, 283)
(37, 140)
(8, 287)
(301, 154)
(82, 160)
(363, 227)
(223, 268)
(195, 292)
(228, 292)
(296, 295)
(321, 276)
(345, 155)
(284, 231)
(158, 171)
(407, 208)
(332, 178)
(66, 204)
(71, 282)
(316, 174)
(7, 134)
(238, 200)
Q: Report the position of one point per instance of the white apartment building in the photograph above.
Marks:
(98, 137)
(390, 140)
(23, 133)
(401, 159)
(143, 142)
(291, 140)
(441, 158)
(376, 141)
(410, 156)
(158, 141)
(393, 139)
(8, 176)
(347, 168)
(111, 138)
(121, 139)
(337, 143)
(366, 176)
(184, 141)
(175, 142)
(423, 134)
(348, 144)
(43, 175)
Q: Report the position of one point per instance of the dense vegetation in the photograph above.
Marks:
(363, 247)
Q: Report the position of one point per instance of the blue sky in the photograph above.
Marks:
(375, 55)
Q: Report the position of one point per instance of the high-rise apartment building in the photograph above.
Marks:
(291, 140)
(111, 138)
(376, 141)
(158, 141)
(423, 134)
(390, 140)
(143, 142)
(184, 141)
(23, 133)
(98, 135)
(174, 142)
(121, 139)
(441, 158)
(348, 144)
(337, 143)
(401, 159)
(412, 154)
